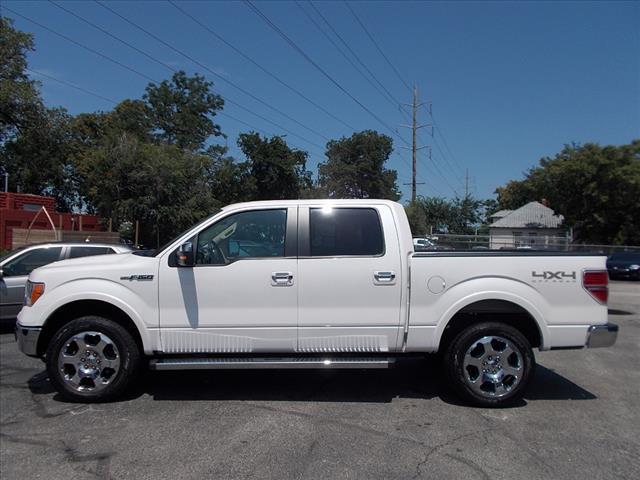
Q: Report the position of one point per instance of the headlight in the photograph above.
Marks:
(33, 292)
(634, 267)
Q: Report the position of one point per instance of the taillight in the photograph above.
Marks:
(596, 282)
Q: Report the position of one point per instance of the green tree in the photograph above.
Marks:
(181, 110)
(417, 218)
(596, 188)
(277, 171)
(230, 181)
(20, 102)
(355, 167)
(162, 186)
(37, 159)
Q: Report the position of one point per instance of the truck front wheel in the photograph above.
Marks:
(92, 359)
(489, 364)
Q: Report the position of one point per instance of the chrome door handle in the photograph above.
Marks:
(384, 278)
(282, 279)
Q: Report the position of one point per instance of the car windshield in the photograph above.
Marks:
(160, 249)
(626, 257)
(12, 252)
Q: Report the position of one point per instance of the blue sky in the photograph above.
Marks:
(510, 82)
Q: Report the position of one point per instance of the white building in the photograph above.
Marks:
(532, 225)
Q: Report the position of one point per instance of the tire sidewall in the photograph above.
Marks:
(456, 352)
(127, 349)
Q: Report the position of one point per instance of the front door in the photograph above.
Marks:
(241, 295)
(350, 280)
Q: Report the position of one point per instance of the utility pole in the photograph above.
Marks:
(466, 183)
(414, 146)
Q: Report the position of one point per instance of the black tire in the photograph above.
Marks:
(459, 377)
(121, 349)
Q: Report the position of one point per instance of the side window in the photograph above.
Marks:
(345, 231)
(254, 234)
(29, 261)
(77, 252)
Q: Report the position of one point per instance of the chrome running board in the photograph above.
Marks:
(207, 363)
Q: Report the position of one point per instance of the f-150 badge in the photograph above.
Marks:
(137, 277)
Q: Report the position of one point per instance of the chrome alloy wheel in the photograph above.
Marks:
(493, 366)
(89, 361)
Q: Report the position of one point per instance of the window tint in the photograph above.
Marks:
(77, 252)
(255, 234)
(345, 231)
(29, 261)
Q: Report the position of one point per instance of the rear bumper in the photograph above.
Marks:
(27, 338)
(602, 335)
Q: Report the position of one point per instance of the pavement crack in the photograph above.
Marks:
(435, 449)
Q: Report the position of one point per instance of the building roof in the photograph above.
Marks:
(531, 215)
(501, 214)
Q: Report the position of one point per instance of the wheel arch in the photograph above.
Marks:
(507, 308)
(78, 308)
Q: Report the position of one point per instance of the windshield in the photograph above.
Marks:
(626, 256)
(12, 252)
(158, 250)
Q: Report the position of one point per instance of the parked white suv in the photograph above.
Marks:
(310, 284)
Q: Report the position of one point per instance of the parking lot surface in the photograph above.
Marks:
(580, 419)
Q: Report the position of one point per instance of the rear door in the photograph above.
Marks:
(350, 280)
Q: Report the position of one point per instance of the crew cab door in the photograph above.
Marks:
(241, 294)
(350, 276)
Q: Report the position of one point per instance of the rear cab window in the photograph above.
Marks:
(345, 232)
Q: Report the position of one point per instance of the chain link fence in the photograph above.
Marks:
(524, 243)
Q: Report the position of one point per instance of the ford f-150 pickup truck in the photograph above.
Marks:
(310, 284)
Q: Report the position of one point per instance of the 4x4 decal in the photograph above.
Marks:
(559, 276)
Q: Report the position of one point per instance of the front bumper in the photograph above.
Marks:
(27, 338)
(602, 335)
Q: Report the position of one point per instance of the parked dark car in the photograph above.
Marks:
(624, 265)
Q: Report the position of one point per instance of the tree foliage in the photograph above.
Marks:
(181, 111)
(355, 167)
(19, 100)
(276, 170)
(162, 186)
(596, 188)
(439, 215)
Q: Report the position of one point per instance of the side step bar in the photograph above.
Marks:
(207, 363)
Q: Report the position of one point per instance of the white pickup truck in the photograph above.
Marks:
(310, 284)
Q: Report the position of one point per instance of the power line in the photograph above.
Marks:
(89, 49)
(295, 46)
(268, 72)
(212, 72)
(71, 85)
(444, 140)
(97, 95)
(145, 76)
(106, 32)
(376, 45)
(379, 87)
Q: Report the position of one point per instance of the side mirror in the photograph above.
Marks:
(184, 255)
(1, 273)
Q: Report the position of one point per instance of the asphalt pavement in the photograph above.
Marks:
(580, 419)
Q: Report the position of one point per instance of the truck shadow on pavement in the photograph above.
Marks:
(415, 378)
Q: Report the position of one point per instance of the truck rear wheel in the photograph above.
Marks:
(489, 364)
(92, 359)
